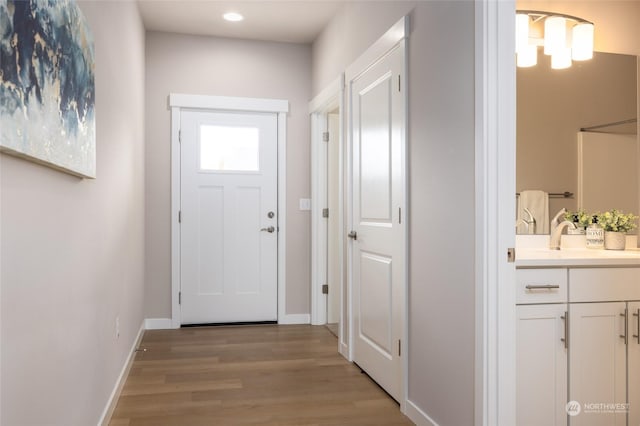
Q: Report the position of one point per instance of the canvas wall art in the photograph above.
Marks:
(47, 84)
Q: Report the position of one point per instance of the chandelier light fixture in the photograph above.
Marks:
(565, 38)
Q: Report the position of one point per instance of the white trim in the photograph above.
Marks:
(177, 102)
(419, 417)
(282, 216)
(328, 99)
(105, 418)
(377, 50)
(227, 103)
(158, 324)
(319, 230)
(294, 319)
(175, 225)
(495, 210)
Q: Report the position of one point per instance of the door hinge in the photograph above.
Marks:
(399, 84)
(400, 215)
(399, 347)
(179, 216)
(511, 255)
(325, 288)
(179, 298)
(325, 212)
(325, 136)
(179, 136)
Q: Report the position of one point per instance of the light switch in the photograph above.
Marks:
(305, 204)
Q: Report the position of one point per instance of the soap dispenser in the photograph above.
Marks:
(595, 234)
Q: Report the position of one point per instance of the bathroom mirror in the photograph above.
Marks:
(553, 106)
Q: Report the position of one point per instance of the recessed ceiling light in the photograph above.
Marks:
(233, 17)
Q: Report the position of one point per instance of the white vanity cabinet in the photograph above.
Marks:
(541, 353)
(593, 358)
(633, 362)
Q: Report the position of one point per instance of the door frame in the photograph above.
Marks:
(179, 102)
(397, 35)
(330, 98)
(495, 152)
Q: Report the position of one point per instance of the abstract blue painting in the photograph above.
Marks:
(47, 84)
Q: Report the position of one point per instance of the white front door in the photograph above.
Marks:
(229, 219)
(378, 234)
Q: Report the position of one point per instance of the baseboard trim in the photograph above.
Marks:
(158, 324)
(122, 378)
(343, 350)
(419, 417)
(294, 319)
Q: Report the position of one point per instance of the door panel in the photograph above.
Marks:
(377, 255)
(228, 187)
(374, 104)
(376, 306)
(597, 361)
(541, 365)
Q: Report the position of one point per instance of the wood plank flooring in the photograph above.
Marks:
(249, 375)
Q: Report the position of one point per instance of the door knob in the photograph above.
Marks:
(353, 235)
(269, 229)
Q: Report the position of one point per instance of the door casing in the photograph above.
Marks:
(178, 102)
(330, 98)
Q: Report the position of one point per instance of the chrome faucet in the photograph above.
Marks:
(556, 233)
(529, 223)
(556, 219)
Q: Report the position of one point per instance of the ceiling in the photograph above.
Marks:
(293, 21)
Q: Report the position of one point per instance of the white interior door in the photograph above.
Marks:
(378, 235)
(229, 219)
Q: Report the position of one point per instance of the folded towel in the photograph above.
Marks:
(537, 202)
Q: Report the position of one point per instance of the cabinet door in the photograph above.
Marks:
(633, 364)
(597, 363)
(541, 365)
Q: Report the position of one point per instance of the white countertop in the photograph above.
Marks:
(532, 251)
(540, 257)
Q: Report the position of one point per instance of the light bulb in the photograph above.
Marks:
(555, 34)
(582, 42)
(233, 17)
(561, 59)
(522, 32)
(527, 57)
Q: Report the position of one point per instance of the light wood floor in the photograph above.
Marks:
(249, 375)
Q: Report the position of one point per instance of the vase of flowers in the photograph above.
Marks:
(581, 219)
(616, 224)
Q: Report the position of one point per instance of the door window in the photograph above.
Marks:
(225, 148)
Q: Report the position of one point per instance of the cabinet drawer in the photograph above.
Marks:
(604, 284)
(541, 286)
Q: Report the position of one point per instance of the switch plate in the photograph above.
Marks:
(305, 204)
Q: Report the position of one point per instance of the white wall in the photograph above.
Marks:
(442, 187)
(225, 67)
(73, 250)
